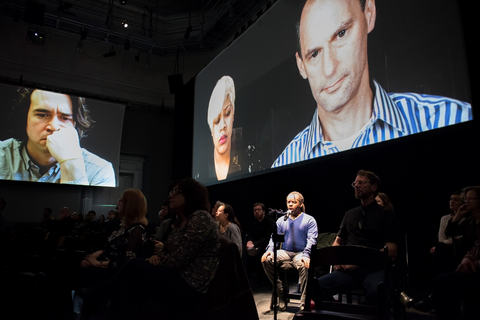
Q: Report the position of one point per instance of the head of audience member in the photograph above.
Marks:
(366, 186)
(164, 213)
(188, 196)
(472, 199)
(259, 211)
(132, 208)
(3, 204)
(47, 212)
(226, 214)
(215, 208)
(64, 213)
(79, 217)
(383, 200)
(90, 216)
(332, 51)
(101, 218)
(220, 116)
(112, 215)
(456, 200)
(295, 203)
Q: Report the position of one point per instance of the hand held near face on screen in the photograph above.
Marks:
(64, 146)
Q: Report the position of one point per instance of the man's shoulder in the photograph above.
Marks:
(309, 217)
(99, 171)
(93, 158)
(445, 111)
(353, 210)
(10, 144)
(420, 99)
(293, 151)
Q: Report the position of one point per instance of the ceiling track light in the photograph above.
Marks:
(109, 54)
(123, 2)
(125, 23)
(83, 34)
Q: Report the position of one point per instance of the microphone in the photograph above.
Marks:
(286, 215)
(276, 211)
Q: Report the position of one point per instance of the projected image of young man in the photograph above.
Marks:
(353, 110)
(221, 110)
(50, 151)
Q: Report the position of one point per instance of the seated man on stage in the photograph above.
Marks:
(301, 233)
(369, 225)
(257, 240)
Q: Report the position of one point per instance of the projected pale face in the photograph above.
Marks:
(48, 112)
(333, 40)
(222, 127)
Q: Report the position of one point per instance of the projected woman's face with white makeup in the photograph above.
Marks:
(222, 126)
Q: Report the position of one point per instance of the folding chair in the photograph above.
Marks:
(352, 255)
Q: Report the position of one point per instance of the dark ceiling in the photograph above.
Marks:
(155, 26)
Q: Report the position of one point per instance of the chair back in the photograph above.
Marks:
(348, 255)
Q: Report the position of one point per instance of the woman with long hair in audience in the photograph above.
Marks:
(125, 243)
(229, 225)
(383, 200)
(180, 273)
(122, 245)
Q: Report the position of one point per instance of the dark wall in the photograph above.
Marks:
(149, 134)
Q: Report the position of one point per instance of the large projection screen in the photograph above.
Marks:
(30, 117)
(415, 47)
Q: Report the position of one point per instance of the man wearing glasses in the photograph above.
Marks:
(369, 225)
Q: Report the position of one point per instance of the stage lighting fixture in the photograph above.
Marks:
(62, 6)
(187, 32)
(123, 2)
(126, 44)
(36, 37)
(109, 54)
(125, 23)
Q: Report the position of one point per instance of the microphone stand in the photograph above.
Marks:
(277, 238)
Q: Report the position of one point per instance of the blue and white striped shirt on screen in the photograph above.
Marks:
(394, 115)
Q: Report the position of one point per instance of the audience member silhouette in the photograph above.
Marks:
(181, 272)
(452, 289)
(257, 240)
(383, 200)
(122, 245)
(229, 225)
(464, 229)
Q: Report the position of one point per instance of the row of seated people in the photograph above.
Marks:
(177, 274)
(374, 224)
(115, 273)
(456, 260)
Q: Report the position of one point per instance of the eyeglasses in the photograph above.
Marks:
(174, 192)
(359, 182)
(470, 199)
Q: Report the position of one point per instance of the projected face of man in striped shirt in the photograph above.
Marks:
(351, 109)
(333, 58)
